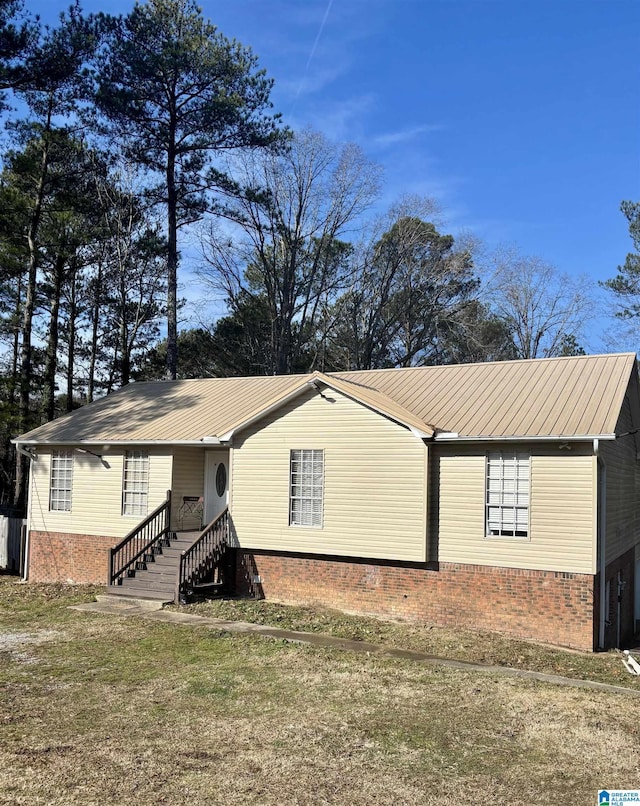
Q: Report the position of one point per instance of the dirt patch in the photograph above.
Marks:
(16, 644)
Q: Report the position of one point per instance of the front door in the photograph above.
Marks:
(216, 483)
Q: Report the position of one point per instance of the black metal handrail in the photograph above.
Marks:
(199, 561)
(140, 541)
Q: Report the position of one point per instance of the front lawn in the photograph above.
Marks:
(474, 646)
(99, 709)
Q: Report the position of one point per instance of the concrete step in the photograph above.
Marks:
(120, 600)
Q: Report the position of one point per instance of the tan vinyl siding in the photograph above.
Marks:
(623, 487)
(374, 481)
(561, 534)
(96, 506)
(188, 479)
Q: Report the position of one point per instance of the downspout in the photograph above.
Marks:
(602, 537)
(619, 589)
(30, 456)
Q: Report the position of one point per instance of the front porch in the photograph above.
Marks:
(155, 561)
(182, 547)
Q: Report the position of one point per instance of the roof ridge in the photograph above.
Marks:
(508, 361)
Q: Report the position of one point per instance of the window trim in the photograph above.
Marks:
(518, 455)
(317, 495)
(67, 475)
(133, 455)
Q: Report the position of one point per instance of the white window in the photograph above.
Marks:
(508, 484)
(307, 488)
(61, 481)
(135, 483)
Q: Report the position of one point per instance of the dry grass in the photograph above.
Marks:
(113, 710)
(474, 646)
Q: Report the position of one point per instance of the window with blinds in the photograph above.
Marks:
(61, 481)
(508, 486)
(135, 483)
(306, 491)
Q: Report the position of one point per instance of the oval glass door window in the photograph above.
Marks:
(221, 479)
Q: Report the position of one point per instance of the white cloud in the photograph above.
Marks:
(405, 135)
(341, 120)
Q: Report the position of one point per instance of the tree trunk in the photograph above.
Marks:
(8, 450)
(125, 353)
(71, 348)
(29, 307)
(15, 355)
(95, 315)
(172, 259)
(51, 361)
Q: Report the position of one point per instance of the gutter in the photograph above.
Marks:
(106, 443)
(443, 436)
(446, 436)
(602, 538)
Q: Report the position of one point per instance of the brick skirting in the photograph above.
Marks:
(550, 606)
(68, 558)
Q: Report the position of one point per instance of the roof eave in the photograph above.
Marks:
(192, 442)
(449, 438)
(419, 429)
(227, 437)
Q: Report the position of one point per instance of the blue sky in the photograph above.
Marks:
(521, 117)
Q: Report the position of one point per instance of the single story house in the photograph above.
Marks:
(500, 495)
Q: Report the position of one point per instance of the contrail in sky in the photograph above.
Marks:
(311, 55)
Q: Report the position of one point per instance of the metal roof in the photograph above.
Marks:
(552, 397)
(569, 397)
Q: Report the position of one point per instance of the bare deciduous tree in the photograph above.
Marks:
(127, 288)
(286, 243)
(542, 307)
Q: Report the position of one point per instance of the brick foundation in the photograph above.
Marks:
(74, 559)
(549, 606)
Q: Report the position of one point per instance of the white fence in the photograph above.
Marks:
(11, 543)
